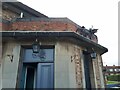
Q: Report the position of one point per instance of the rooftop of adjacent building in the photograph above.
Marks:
(114, 66)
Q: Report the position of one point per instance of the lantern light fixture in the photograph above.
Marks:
(36, 46)
(93, 54)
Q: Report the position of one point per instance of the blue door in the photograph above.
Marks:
(45, 75)
(37, 68)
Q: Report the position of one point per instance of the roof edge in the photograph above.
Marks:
(82, 40)
(25, 8)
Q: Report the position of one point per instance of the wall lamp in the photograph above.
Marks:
(36, 46)
(93, 54)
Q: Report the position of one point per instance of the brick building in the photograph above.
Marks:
(69, 55)
(111, 70)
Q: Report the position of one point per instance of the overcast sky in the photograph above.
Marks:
(102, 14)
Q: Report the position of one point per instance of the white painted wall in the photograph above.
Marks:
(64, 68)
(83, 73)
(65, 74)
(9, 69)
(101, 73)
(93, 61)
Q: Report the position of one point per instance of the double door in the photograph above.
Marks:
(37, 72)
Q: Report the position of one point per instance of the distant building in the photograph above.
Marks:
(111, 70)
(69, 55)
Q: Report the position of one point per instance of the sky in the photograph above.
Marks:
(101, 14)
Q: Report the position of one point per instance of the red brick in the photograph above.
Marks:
(43, 26)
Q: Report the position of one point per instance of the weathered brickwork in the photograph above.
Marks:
(5, 26)
(9, 15)
(39, 26)
(78, 67)
(42, 26)
(97, 73)
(45, 25)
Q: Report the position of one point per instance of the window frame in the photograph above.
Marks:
(42, 47)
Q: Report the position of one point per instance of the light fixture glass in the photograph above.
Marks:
(36, 47)
(93, 55)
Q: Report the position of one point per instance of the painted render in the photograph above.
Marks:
(69, 73)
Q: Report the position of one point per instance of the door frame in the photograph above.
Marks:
(88, 60)
(21, 63)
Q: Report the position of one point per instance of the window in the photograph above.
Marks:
(115, 69)
(111, 70)
(45, 55)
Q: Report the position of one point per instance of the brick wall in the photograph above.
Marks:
(78, 66)
(42, 26)
(39, 26)
(9, 15)
(4, 26)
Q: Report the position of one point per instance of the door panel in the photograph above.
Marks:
(45, 75)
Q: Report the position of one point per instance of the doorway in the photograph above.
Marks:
(37, 68)
(88, 71)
